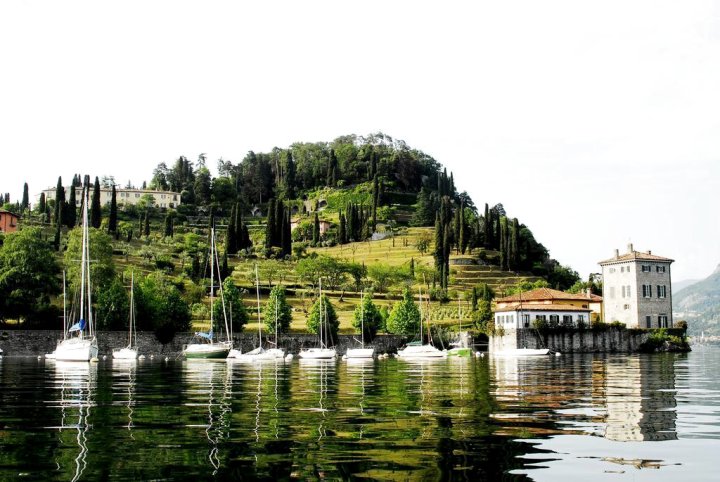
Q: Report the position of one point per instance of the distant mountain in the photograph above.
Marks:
(680, 285)
(699, 305)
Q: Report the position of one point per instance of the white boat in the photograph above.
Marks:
(77, 345)
(361, 352)
(258, 353)
(207, 346)
(522, 352)
(323, 352)
(130, 351)
(418, 349)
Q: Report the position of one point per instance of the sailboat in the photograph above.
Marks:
(322, 352)
(277, 352)
(207, 347)
(457, 348)
(418, 349)
(258, 353)
(77, 345)
(361, 352)
(130, 351)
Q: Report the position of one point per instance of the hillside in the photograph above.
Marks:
(699, 305)
(388, 215)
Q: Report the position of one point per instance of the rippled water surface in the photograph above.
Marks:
(615, 417)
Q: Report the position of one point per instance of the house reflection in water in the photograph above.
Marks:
(639, 397)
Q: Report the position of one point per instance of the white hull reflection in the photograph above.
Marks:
(522, 352)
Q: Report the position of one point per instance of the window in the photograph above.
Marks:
(581, 318)
(626, 307)
(526, 320)
(554, 318)
(662, 291)
(623, 291)
(540, 317)
(648, 321)
(646, 268)
(612, 292)
(612, 270)
(622, 269)
(659, 269)
(647, 291)
(662, 321)
(567, 319)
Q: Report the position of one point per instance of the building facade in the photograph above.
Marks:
(555, 308)
(163, 199)
(637, 289)
(8, 221)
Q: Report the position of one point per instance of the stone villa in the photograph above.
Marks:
(637, 290)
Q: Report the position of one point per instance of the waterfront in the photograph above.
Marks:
(605, 417)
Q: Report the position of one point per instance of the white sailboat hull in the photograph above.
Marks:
(421, 351)
(360, 352)
(207, 350)
(318, 354)
(258, 354)
(125, 354)
(76, 349)
(522, 352)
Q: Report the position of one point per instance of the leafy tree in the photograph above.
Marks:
(28, 274)
(102, 267)
(405, 316)
(423, 242)
(113, 305)
(203, 186)
(384, 275)
(311, 269)
(367, 314)
(234, 307)
(277, 306)
(160, 307)
(95, 207)
(329, 319)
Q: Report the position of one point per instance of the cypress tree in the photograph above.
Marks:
(95, 208)
(59, 205)
(316, 230)
(146, 224)
(342, 234)
(56, 241)
(486, 227)
(237, 222)
(112, 220)
(376, 198)
(503, 244)
(231, 233)
(270, 224)
(462, 237)
(168, 226)
(25, 203)
(287, 234)
(42, 205)
(70, 217)
(438, 253)
(457, 229)
(514, 254)
(350, 226)
(279, 223)
(474, 299)
(446, 254)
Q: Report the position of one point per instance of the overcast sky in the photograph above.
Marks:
(594, 123)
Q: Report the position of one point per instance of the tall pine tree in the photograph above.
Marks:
(112, 220)
(95, 208)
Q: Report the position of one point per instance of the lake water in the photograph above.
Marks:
(614, 417)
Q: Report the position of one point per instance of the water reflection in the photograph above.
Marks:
(76, 384)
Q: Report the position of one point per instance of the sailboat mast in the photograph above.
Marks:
(64, 309)
(320, 328)
(132, 309)
(421, 314)
(83, 261)
(212, 280)
(362, 319)
(257, 291)
(222, 297)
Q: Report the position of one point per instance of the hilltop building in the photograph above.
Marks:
(552, 306)
(8, 221)
(163, 199)
(637, 289)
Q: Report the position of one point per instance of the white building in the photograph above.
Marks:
(637, 289)
(163, 199)
(555, 308)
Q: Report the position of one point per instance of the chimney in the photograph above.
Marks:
(630, 248)
(649, 252)
(617, 253)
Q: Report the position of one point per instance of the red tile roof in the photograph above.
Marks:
(547, 294)
(538, 307)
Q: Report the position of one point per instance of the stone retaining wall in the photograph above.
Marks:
(586, 341)
(40, 342)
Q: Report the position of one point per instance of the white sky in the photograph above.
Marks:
(595, 123)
